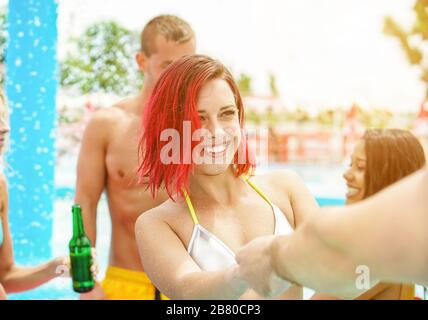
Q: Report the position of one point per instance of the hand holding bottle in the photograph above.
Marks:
(81, 252)
(62, 265)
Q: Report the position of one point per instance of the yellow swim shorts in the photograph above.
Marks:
(123, 284)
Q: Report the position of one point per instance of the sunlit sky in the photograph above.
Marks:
(323, 52)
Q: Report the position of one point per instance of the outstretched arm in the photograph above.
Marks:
(386, 233)
(2, 293)
(173, 271)
(16, 278)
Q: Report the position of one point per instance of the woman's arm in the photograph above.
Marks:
(173, 271)
(2, 293)
(368, 295)
(302, 201)
(13, 277)
(18, 279)
(387, 233)
(298, 204)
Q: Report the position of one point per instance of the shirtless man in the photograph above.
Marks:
(108, 161)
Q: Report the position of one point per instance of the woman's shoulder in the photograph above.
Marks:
(3, 180)
(3, 195)
(276, 185)
(3, 185)
(162, 213)
(280, 186)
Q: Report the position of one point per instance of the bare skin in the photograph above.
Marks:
(236, 221)
(323, 254)
(2, 293)
(226, 205)
(14, 278)
(108, 162)
(355, 180)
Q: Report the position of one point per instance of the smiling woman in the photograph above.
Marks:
(379, 159)
(216, 115)
(214, 207)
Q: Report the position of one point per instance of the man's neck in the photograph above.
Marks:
(142, 98)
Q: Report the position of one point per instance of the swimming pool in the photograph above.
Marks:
(324, 181)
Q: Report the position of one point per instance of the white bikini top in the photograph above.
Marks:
(212, 254)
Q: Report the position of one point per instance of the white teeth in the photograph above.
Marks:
(352, 191)
(216, 149)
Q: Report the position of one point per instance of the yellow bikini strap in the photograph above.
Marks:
(191, 209)
(258, 190)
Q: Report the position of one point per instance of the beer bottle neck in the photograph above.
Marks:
(78, 229)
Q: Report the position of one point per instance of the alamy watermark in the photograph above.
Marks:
(362, 282)
(220, 147)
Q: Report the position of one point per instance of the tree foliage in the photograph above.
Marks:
(244, 84)
(415, 40)
(103, 60)
(273, 86)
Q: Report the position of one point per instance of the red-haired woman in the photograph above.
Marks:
(379, 159)
(193, 145)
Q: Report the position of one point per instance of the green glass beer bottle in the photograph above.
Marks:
(80, 254)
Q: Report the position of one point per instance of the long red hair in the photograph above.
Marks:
(173, 101)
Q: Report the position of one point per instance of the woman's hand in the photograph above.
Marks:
(2, 293)
(62, 265)
(256, 268)
(235, 281)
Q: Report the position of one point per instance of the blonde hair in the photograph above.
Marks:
(171, 27)
(5, 147)
(2, 96)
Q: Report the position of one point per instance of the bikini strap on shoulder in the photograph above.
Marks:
(257, 189)
(190, 206)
